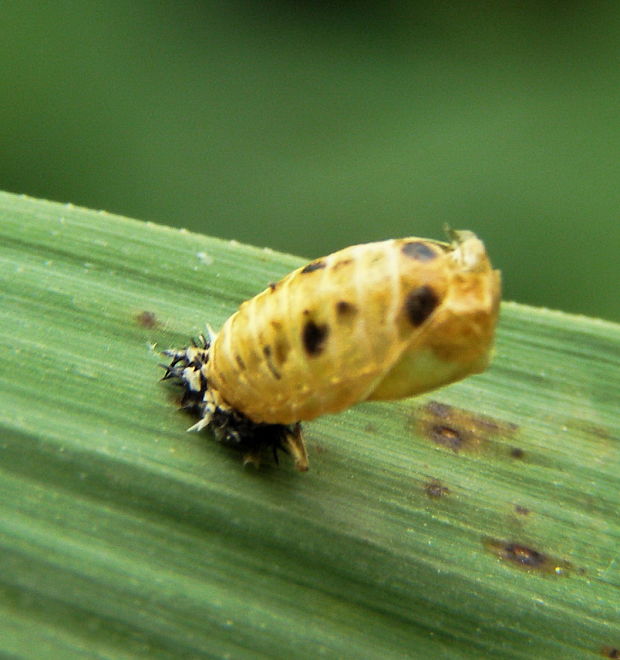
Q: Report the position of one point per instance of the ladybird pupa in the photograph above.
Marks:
(377, 321)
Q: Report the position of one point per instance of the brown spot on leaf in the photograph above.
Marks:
(589, 428)
(420, 304)
(147, 319)
(526, 557)
(435, 489)
(521, 510)
(448, 436)
(458, 429)
(523, 555)
(610, 652)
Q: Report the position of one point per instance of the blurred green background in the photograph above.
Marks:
(307, 126)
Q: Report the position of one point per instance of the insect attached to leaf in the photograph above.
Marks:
(377, 321)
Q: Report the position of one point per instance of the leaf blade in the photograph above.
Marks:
(165, 545)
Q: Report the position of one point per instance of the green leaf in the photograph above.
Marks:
(480, 520)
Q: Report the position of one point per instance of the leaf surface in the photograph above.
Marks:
(479, 520)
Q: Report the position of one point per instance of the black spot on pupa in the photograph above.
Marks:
(419, 251)
(240, 362)
(341, 264)
(270, 365)
(526, 557)
(282, 349)
(313, 337)
(273, 286)
(146, 319)
(420, 304)
(435, 489)
(312, 266)
(344, 308)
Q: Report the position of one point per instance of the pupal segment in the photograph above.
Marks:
(378, 321)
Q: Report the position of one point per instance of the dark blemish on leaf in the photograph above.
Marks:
(588, 428)
(313, 337)
(419, 251)
(523, 555)
(521, 510)
(344, 308)
(526, 557)
(447, 436)
(458, 429)
(147, 319)
(610, 652)
(419, 304)
(320, 448)
(312, 266)
(438, 409)
(517, 452)
(435, 489)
